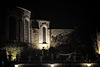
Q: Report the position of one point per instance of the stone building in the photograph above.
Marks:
(17, 26)
(42, 34)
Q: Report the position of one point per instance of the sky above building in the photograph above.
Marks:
(62, 14)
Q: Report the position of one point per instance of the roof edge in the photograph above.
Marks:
(23, 9)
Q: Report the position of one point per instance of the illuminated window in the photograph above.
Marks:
(44, 35)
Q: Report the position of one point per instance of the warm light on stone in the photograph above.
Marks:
(99, 47)
(43, 45)
(98, 42)
(44, 34)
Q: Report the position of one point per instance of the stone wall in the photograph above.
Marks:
(59, 36)
(34, 37)
(15, 27)
(98, 42)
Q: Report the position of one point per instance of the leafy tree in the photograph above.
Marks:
(79, 41)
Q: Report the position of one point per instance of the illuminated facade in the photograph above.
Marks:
(18, 27)
(98, 42)
(15, 25)
(42, 34)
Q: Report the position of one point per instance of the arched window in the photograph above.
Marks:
(12, 28)
(26, 30)
(44, 35)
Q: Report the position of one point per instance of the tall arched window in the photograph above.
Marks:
(26, 31)
(44, 35)
(12, 28)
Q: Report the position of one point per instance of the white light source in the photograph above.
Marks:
(16, 65)
(88, 64)
(52, 65)
(44, 45)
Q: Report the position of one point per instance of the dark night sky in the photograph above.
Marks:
(62, 14)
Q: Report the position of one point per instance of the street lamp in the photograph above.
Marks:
(52, 65)
(16, 65)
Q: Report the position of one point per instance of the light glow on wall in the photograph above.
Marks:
(45, 45)
(99, 47)
(13, 58)
(44, 34)
(98, 42)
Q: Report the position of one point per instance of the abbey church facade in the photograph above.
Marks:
(17, 26)
(40, 35)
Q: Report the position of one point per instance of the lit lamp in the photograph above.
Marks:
(52, 65)
(16, 65)
(44, 45)
(88, 64)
